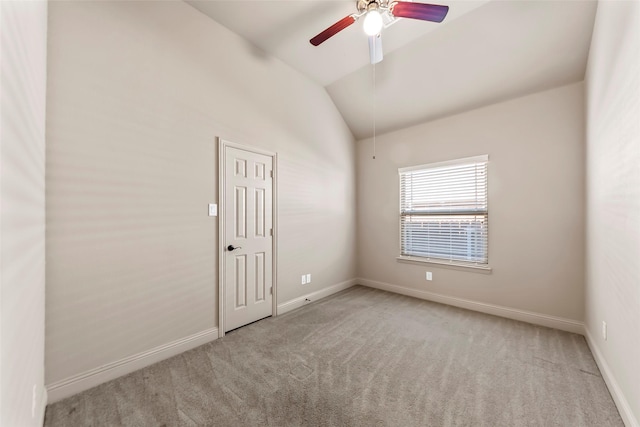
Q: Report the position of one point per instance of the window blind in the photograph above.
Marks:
(444, 212)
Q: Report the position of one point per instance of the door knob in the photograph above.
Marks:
(233, 248)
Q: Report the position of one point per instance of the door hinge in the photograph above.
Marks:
(271, 232)
(271, 174)
(271, 290)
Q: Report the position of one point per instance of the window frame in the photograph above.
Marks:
(435, 260)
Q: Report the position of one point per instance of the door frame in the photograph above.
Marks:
(222, 145)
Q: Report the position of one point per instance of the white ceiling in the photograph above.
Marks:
(483, 52)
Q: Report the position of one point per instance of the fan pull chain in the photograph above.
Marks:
(374, 111)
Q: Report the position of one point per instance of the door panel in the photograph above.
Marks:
(261, 284)
(248, 221)
(241, 212)
(241, 281)
(260, 217)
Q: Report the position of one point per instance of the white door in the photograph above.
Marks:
(248, 223)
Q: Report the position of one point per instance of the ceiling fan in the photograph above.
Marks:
(379, 13)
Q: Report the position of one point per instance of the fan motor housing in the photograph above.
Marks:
(363, 5)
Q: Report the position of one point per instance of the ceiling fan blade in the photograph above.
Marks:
(333, 30)
(375, 48)
(423, 11)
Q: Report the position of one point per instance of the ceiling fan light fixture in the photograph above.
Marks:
(374, 20)
(372, 23)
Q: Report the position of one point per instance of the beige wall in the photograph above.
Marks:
(23, 74)
(536, 202)
(138, 93)
(613, 195)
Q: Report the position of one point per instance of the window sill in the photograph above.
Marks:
(450, 264)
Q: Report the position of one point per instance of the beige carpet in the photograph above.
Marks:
(362, 357)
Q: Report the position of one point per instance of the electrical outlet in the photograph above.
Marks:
(429, 275)
(304, 279)
(604, 330)
(309, 278)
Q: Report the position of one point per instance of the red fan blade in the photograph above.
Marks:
(333, 30)
(423, 11)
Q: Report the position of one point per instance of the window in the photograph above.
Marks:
(443, 211)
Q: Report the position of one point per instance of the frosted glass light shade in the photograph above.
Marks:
(372, 23)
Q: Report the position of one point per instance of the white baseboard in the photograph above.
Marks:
(314, 296)
(496, 310)
(43, 406)
(86, 380)
(614, 388)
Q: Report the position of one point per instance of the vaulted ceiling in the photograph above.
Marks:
(485, 51)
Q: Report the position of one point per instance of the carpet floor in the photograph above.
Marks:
(362, 357)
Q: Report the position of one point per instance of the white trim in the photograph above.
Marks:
(563, 324)
(442, 262)
(221, 237)
(614, 388)
(274, 239)
(222, 145)
(315, 296)
(474, 159)
(42, 409)
(248, 148)
(93, 377)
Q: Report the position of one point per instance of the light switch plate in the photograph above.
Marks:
(213, 209)
(309, 278)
